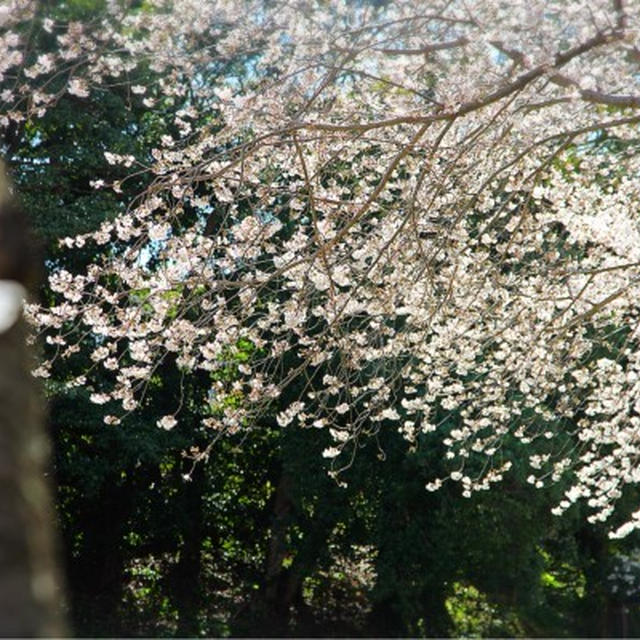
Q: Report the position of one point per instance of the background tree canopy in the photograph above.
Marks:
(340, 312)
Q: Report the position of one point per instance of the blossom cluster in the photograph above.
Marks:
(417, 218)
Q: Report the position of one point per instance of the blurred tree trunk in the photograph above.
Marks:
(30, 591)
(185, 579)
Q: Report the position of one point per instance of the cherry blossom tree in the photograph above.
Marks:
(380, 216)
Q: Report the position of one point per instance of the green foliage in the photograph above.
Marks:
(259, 539)
(473, 616)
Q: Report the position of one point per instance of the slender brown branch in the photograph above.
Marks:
(426, 48)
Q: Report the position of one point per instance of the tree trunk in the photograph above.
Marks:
(30, 595)
(186, 575)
